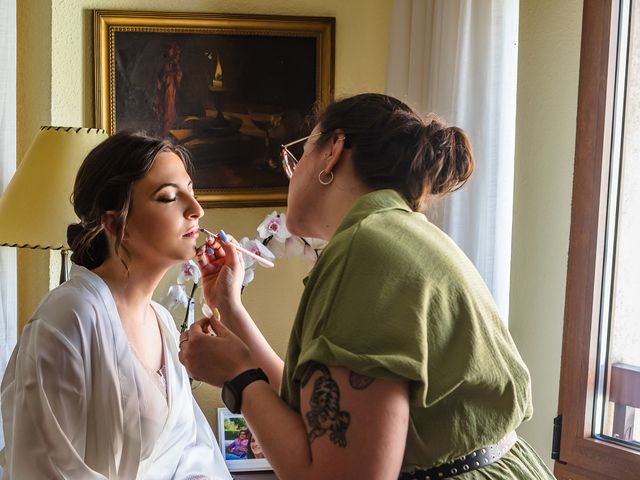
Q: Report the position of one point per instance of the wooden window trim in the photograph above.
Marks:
(583, 457)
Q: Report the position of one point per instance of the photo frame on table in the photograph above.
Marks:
(233, 433)
(229, 88)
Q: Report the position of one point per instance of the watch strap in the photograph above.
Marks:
(237, 384)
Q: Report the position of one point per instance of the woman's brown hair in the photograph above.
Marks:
(393, 147)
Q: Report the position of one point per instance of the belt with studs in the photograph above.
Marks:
(473, 461)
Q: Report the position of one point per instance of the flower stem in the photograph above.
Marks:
(185, 324)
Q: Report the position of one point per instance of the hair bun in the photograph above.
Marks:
(74, 232)
(89, 245)
(452, 160)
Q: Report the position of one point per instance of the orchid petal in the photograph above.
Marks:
(316, 243)
(200, 297)
(263, 251)
(175, 296)
(249, 273)
(294, 247)
(310, 253)
(248, 244)
(277, 247)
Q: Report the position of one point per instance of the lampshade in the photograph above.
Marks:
(36, 208)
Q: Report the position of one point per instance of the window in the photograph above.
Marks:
(600, 378)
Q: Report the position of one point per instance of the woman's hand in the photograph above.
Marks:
(213, 353)
(222, 270)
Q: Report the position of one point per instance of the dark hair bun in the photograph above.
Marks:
(90, 246)
(450, 159)
(74, 231)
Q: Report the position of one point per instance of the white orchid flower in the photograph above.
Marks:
(189, 271)
(255, 246)
(274, 226)
(175, 296)
(263, 251)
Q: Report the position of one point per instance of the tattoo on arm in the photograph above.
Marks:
(325, 414)
(359, 382)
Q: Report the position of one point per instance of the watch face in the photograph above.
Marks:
(230, 399)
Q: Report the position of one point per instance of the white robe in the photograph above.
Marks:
(74, 400)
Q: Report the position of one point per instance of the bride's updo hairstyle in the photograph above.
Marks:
(105, 183)
(393, 147)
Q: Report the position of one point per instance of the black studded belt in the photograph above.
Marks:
(473, 461)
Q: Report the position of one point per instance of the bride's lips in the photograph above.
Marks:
(192, 233)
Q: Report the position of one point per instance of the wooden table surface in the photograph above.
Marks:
(254, 476)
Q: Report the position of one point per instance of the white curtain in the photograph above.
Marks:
(458, 58)
(8, 302)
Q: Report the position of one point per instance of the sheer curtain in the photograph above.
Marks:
(8, 302)
(458, 58)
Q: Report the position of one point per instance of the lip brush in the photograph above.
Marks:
(223, 237)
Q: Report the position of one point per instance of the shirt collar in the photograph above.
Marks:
(373, 202)
(376, 201)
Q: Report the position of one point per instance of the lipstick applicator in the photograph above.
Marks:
(224, 239)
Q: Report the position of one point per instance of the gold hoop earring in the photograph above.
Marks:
(324, 177)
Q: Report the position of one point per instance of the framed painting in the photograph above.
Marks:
(229, 88)
(240, 448)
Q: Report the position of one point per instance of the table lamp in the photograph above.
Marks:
(36, 208)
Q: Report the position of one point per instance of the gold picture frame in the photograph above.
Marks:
(230, 88)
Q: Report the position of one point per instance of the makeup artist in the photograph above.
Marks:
(398, 365)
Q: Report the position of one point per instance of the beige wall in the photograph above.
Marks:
(33, 84)
(55, 86)
(545, 140)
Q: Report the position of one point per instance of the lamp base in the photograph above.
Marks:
(64, 266)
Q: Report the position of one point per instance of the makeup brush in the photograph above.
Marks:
(224, 239)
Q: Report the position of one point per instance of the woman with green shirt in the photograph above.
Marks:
(398, 365)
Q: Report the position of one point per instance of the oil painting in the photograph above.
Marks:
(231, 89)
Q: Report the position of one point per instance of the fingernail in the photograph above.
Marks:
(206, 311)
(216, 313)
(209, 250)
(223, 236)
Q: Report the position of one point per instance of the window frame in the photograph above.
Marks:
(581, 456)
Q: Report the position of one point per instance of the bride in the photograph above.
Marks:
(94, 388)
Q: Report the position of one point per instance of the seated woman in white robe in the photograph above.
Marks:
(94, 388)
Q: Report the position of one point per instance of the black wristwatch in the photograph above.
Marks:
(232, 390)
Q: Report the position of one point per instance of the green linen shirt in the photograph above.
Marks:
(393, 297)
